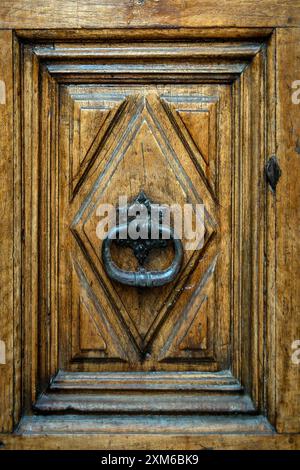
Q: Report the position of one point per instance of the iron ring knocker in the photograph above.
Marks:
(141, 247)
(142, 277)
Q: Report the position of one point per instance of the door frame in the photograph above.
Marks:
(274, 248)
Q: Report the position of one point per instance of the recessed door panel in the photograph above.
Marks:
(183, 126)
(143, 143)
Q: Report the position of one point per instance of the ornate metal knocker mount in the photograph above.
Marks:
(141, 248)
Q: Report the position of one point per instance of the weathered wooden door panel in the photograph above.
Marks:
(182, 124)
(179, 117)
(150, 155)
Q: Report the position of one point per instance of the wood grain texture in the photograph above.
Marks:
(151, 424)
(97, 123)
(146, 403)
(136, 34)
(288, 240)
(148, 13)
(171, 381)
(163, 441)
(6, 233)
(141, 156)
(196, 102)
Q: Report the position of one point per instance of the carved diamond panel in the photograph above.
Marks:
(148, 155)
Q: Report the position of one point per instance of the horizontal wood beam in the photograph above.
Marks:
(90, 14)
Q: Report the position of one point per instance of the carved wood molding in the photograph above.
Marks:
(57, 85)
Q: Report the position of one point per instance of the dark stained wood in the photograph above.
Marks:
(135, 34)
(270, 249)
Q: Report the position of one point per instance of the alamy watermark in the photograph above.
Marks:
(296, 93)
(296, 353)
(141, 221)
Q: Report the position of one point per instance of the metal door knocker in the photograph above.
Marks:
(141, 248)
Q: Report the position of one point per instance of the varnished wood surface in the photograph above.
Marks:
(6, 233)
(147, 13)
(162, 441)
(287, 236)
(70, 356)
(91, 336)
(182, 424)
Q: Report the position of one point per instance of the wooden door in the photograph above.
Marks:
(186, 115)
